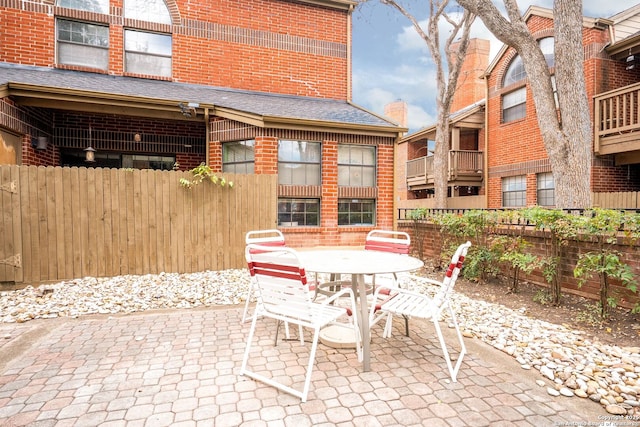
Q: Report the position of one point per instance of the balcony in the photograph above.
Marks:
(466, 168)
(617, 124)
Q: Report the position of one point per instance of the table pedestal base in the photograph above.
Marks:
(338, 337)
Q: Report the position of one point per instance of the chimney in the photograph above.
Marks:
(470, 87)
(397, 111)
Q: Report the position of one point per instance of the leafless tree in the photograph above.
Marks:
(566, 132)
(446, 79)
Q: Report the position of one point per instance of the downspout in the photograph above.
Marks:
(349, 41)
(485, 158)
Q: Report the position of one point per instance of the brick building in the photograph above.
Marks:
(516, 169)
(257, 86)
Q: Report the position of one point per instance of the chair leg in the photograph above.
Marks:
(246, 304)
(245, 358)
(453, 370)
(312, 358)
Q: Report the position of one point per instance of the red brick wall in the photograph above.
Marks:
(264, 45)
(432, 244)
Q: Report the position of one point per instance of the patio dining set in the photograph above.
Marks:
(290, 286)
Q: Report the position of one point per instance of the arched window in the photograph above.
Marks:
(515, 72)
(147, 10)
(98, 6)
(514, 102)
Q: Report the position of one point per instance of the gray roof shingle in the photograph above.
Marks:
(259, 103)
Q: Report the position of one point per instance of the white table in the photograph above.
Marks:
(358, 263)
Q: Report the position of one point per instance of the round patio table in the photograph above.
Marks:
(358, 263)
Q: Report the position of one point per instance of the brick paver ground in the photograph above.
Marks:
(180, 368)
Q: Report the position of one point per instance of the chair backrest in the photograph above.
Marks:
(281, 280)
(265, 237)
(397, 242)
(451, 275)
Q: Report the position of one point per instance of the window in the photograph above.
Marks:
(356, 166)
(147, 10)
(147, 53)
(514, 191)
(238, 157)
(299, 163)
(515, 72)
(546, 189)
(514, 105)
(548, 50)
(298, 212)
(83, 44)
(356, 212)
(143, 161)
(98, 6)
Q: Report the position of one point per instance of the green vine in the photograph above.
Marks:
(201, 173)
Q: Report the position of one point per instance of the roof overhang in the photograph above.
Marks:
(625, 48)
(335, 4)
(166, 109)
(471, 118)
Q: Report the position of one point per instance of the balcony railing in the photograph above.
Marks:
(465, 168)
(617, 121)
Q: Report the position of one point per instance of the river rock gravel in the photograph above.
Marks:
(571, 365)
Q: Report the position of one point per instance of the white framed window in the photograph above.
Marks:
(546, 189)
(147, 53)
(299, 162)
(515, 72)
(514, 105)
(356, 211)
(147, 10)
(238, 156)
(356, 165)
(514, 191)
(98, 6)
(82, 43)
(298, 212)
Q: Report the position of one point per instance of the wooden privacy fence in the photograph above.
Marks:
(63, 223)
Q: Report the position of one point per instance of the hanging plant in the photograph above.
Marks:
(201, 173)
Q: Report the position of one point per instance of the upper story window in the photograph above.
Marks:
(147, 10)
(299, 162)
(514, 105)
(147, 53)
(356, 165)
(98, 6)
(515, 72)
(548, 50)
(238, 156)
(82, 43)
(86, 44)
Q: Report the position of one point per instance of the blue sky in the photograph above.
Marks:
(391, 62)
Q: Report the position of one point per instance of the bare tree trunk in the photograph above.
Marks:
(446, 84)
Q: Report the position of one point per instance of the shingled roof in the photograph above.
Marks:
(259, 104)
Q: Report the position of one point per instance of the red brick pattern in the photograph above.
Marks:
(261, 45)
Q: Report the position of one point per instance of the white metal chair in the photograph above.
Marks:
(284, 296)
(398, 242)
(271, 237)
(414, 304)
